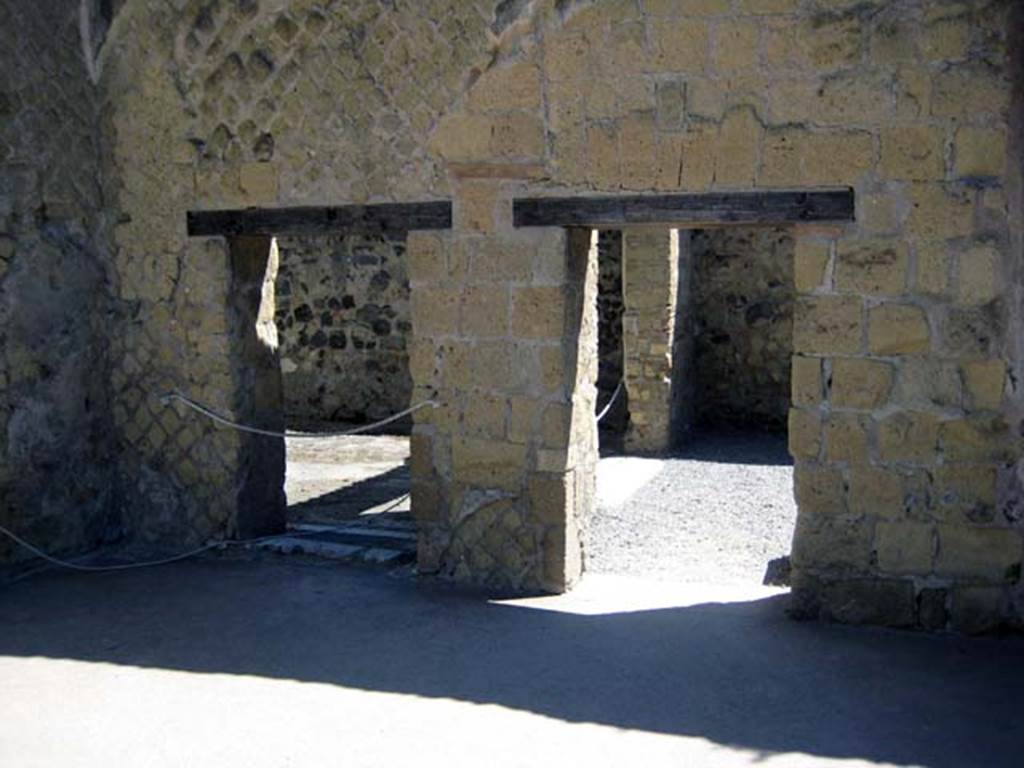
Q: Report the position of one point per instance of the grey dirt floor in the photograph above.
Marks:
(669, 652)
(716, 512)
(275, 662)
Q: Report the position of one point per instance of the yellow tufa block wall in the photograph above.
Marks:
(905, 421)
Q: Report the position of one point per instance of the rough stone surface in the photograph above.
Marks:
(343, 321)
(742, 301)
(56, 484)
(210, 105)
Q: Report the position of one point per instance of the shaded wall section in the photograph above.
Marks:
(742, 307)
(54, 409)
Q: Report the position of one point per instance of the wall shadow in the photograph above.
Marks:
(728, 444)
(737, 674)
(349, 502)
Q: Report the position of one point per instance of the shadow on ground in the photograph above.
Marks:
(738, 674)
(352, 500)
(730, 445)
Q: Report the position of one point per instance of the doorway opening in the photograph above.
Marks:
(342, 319)
(718, 505)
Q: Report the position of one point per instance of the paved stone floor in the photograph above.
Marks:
(275, 662)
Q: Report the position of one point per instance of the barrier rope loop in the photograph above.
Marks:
(611, 401)
(225, 421)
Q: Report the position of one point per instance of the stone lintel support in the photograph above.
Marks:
(650, 285)
(252, 348)
(504, 339)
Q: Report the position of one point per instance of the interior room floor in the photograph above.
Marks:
(716, 512)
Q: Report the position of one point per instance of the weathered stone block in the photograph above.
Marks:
(885, 602)
(484, 311)
(938, 212)
(887, 492)
(488, 463)
(551, 496)
(973, 331)
(964, 493)
(934, 266)
(538, 312)
(806, 381)
(838, 544)
(976, 609)
(425, 252)
(898, 329)
(908, 436)
(819, 490)
(931, 608)
(976, 438)
(876, 266)
(986, 554)
(969, 92)
(980, 151)
(484, 414)
(860, 383)
(435, 311)
(828, 325)
(258, 183)
(810, 260)
(735, 45)
(984, 383)
(905, 548)
(980, 275)
(924, 381)
(847, 438)
(913, 152)
(804, 434)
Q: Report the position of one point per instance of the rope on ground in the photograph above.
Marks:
(225, 421)
(611, 400)
(147, 564)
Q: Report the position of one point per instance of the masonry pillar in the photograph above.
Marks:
(256, 370)
(650, 285)
(504, 339)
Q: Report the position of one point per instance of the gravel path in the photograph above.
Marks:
(716, 513)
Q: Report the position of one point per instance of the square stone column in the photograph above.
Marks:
(256, 372)
(650, 293)
(504, 339)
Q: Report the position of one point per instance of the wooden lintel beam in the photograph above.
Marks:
(315, 220)
(756, 207)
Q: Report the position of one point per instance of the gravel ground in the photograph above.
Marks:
(716, 513)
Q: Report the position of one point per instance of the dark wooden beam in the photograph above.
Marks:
(385, 217)
(761, 207)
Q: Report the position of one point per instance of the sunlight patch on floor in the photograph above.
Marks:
(216, 719)
(620, 477)
(601, 593)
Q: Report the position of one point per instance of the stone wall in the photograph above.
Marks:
(505, 326)
(55, 452)
(903, 427)
(343, 321)
(906, 329)
(742, 305)
(223, 104)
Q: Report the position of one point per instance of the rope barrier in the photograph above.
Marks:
(225, 421)
(147, 564)
(611, 400)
